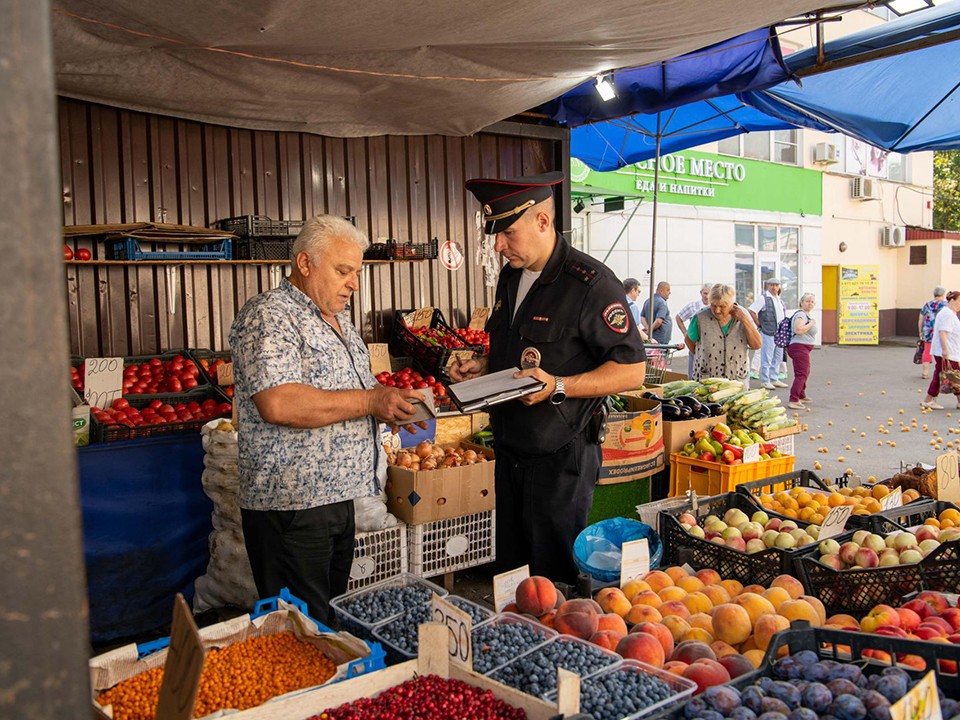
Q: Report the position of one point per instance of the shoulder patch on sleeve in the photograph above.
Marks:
(585, 273)
(615, 318)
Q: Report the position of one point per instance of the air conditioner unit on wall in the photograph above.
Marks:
(864, 189)
(893, 236)
(826, 153)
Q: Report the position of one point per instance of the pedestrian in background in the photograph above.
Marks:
(662, 329)
(721, 336)
(687, 312)
(767, 312)
(928, 315)
(802, 342)
(631, 286)
(945, 347)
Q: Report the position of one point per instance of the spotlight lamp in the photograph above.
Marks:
(579, 205)
(605, 88)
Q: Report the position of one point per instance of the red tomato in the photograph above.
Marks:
(120, 404)
(420, 385)
(224, 409)
(67, 252)
(188, 382)
(193, 406)
(174, 385)
(155, 404)
(83, 254)
(209, 404)
(430, 380)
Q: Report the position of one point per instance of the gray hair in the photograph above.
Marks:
(706, 286)
(807, 295)
(319, 231)
(721, 292)
(939, 291)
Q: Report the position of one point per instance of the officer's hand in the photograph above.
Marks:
(392, 405)
(467, 369)
(541, 395)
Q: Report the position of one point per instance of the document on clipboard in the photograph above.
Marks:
(492, 389)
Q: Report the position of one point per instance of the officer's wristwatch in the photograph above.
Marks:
(559, 391)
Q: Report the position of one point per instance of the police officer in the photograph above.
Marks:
(560, 315)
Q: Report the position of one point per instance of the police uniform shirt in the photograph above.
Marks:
(575, 316)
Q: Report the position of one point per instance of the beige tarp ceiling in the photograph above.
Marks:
(371, 67)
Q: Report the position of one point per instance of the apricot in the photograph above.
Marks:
(702, 620)
(697, 602)
(800, 610)
(643, 647)
(690, 583)
(817, 605)
(611, 621)
(790, 584)
(717, 594)
(749, 644)
(536, 595)
(672, 593)
(755, 589)
(660, 632)
(676, 572)
(734, 587)
(675, 607)
(657, 580)
(633, 587)
(776, 595)
(578, 618)
(676, 667)
(755, 605)
(767, 627)
(731, 623)
(604, 592)
(616, 603)
(755, 657)
(677, 626)
(698, 634)
(647, 597)
(641, 614)
(709, 576)
(607, 639)
(843, 621)
(722, 649)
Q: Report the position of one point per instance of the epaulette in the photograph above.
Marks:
(584, 272)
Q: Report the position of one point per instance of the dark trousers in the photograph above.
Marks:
(542, 505)
(308, 551)
(800, 354)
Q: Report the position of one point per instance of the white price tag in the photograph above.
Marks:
(479, 318)
(458, 623)
(102, 381)
(505, 586)
(835, 522)
(362, 568)
(920, 703)
(751, 453)
(892, 500)
(948, 482)
(379, 358)
(634, 560)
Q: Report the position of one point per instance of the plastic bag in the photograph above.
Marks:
(597, 549)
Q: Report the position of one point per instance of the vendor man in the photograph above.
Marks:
(561, 316)
(308, 410)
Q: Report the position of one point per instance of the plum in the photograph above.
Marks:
(764, 683)
(802, 713)
(772, 716)
(847, 707)
(892, 687)
(806, 657)
(878, 707)
(743, 713)
(841, 686)
(752, 698)
(711, 715)
(694, 707)
(785, 692)
(817, 697)
(949, 707)
(722, 698)
(774, 705)
(818, 673)
(787, 669)
(845, 671)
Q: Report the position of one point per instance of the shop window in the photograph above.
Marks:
(918, 254)
(767, 235)
(745, 279)
(781, 146)
(745, 237)
(765, 251)
(955, 255)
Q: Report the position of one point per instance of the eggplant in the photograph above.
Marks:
(715, 409)
(691, 402)
(670, 412)
(686, 412)
(648, 395)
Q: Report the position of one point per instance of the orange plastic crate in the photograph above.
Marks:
(713, 478)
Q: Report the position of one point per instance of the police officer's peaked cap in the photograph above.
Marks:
(504, 200)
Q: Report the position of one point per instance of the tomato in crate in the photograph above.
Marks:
(475, 337)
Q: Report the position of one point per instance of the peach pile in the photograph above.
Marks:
(812, 505)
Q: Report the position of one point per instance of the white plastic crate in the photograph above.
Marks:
(443, 546)
(378, 555)
(784, 444)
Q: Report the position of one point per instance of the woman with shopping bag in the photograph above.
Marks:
(945, 347)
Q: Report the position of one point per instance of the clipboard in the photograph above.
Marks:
(492, 389)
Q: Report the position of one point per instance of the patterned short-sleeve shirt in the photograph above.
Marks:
(279, 337)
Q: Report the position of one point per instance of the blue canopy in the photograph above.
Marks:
(746, 62)
(905, 103)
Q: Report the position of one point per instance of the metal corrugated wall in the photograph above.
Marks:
(122, 166)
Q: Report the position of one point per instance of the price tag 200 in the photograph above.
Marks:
(920, 703)
(835, 522)
(505, 586)
(459, 623)
(102, 381)
(948, 478)
(892, 500)
(751, 453)
(634, 560)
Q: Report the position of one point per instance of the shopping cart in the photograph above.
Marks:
(658, 360)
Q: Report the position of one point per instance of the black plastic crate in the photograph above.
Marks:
(680, 547)
(396, 250)
(253, 226)
(908, 516)
(429, 359)
(264, 248)
(200, 354)
(113, 432)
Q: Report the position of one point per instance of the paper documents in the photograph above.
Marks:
(487, 390)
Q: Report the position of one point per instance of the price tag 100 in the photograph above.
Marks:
(751, 453)
(505, 586)
(920, 703)
(948, 481)
(892, 500)
(102, 381)
(458, 624)
(835, 522)
(634, 560)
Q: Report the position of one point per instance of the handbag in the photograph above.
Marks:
(950, 381)
(918, 355)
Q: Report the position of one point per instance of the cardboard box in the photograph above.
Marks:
(634, 445)
(424, 496)
(677, 433)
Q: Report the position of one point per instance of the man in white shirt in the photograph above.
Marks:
(767, 312)
(687, 312)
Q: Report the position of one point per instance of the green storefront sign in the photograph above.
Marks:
(706, 179)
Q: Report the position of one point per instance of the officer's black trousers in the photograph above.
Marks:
(307, 551)
(542, 505)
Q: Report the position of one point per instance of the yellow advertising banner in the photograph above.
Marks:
(858, 304)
